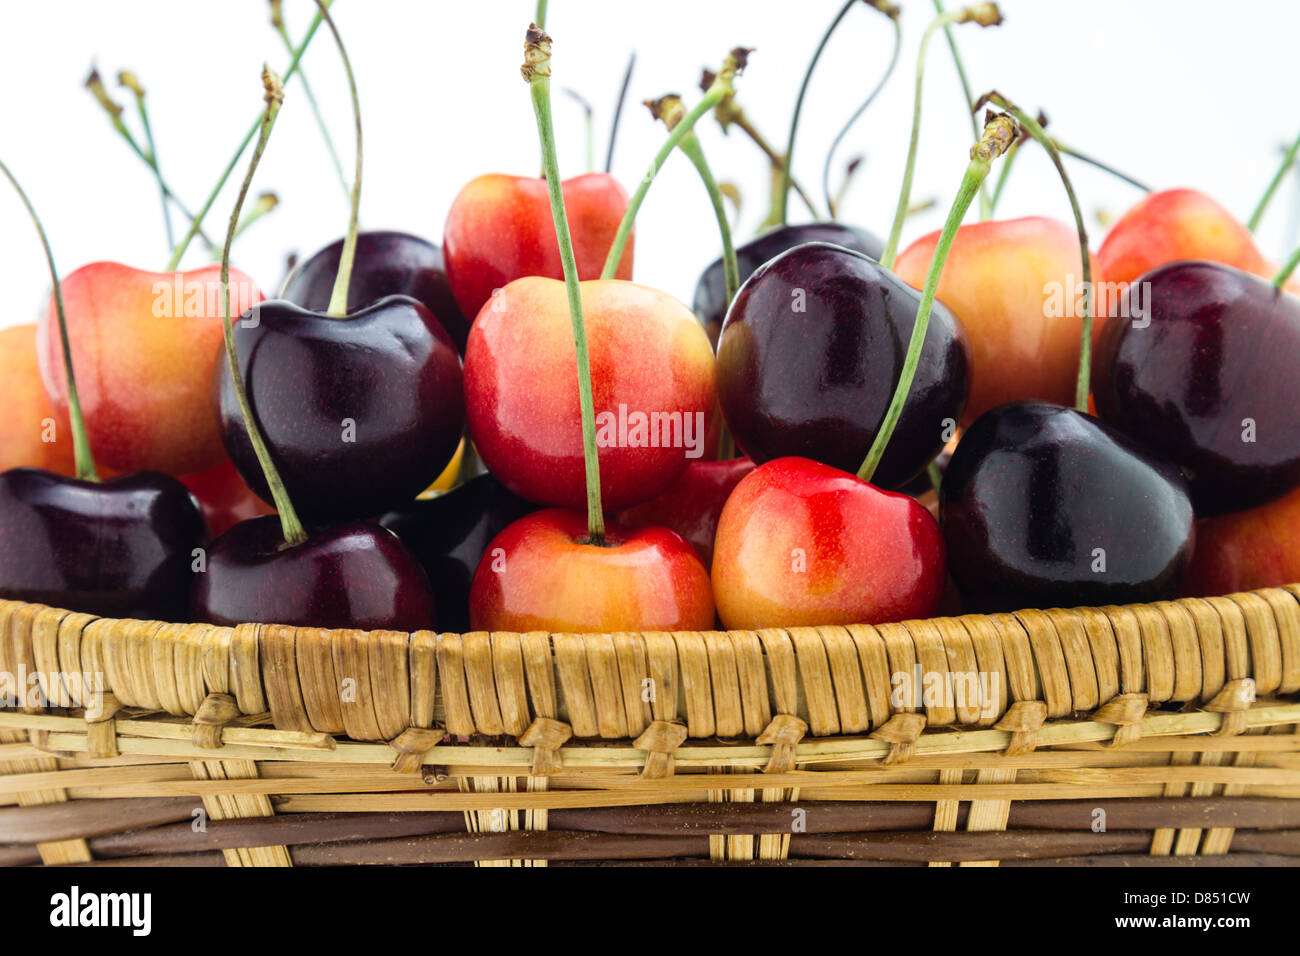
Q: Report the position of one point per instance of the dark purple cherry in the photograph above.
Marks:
(1043, 506)
(811, 352)
(360, 413)
(448, 535)
(117, 548)
(353, 575)
(711, 290)
(386, 263)
(1205, 368)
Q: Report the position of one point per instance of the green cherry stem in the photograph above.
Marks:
(85, 462)
(727, 112)
(539, 19)
(277, 21)
(1284, 273)
(1032, 127)
(986, 204)
(338, 306)
(783, 195)
(261, 207)
(670, 109)
(721, 87)
(999, 133)
(1098, 164)
(985, 14)
(833, 202)
(1003, 175)
(1287, 161)
(294, 533)
(196, 222)
(129, 80)
(618, 110)
(537, 72)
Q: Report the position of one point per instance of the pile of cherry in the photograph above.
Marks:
(1184, 481)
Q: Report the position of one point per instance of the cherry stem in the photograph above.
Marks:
(985, 14)
(670, 110)
(96, 86)
(986, 204)
(132, 82)
(831, 202)
(338, 306)
(539, 19)
(85, 462)
(196, 222)
(999, 133)
(783, 192)
(261, 207)
(278, 22)
(588, 125)
(721, 87)
(1287, 161)
(1031, 126)
(1003, 175)
(294, 533)
(618, 110)
(537, 71)
(1284, 273)
(1104, 167)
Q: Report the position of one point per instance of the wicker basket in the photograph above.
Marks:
(1152, 734)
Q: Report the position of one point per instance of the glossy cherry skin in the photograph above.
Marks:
(1043, 506)
(648, 357)
(120, 548)
(692, 504)
(802, 543)
(1015, 286)
(390, 370)
(448, 535)
(811, 352)
(353, 575)
(710, 303)
(541, 574)
(386, 263)
(499, 229)
(1246, 550)
(1218, 361)
(144, 346)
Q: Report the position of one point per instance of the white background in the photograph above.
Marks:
(1176, 92)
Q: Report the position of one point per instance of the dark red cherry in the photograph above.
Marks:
(1204, 367)
(710, 303)
(360, 413)
(448, 535)
(354, 575)
(117, 548)
(692, 504)
(386, 263)
(811, 352)
(1043, 506)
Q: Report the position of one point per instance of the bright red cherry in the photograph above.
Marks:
(802, 543)
(224, 498)
(543, 574)
(500, 229)
(652, 379)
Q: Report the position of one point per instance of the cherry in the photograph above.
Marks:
(387, 263)
(449, 534)
(33, 433)
(692, 504)
(116, 548)
(811, 352)
(224, 497)
(361, 412)
(652, 378)
(120, 548)
(271, 569)
(1246, 550)
(802, 543)
(1014, 285)
(1045, 506)
(1205, 373)
(637, 579)
(354, 575)
(499, 229)
(711, 291)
